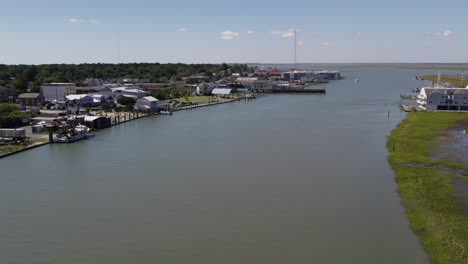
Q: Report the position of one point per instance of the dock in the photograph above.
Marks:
(293, 90)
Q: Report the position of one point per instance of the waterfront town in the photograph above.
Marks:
(65, 112)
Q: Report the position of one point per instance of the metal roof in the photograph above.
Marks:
(221, 91)
(29, 95)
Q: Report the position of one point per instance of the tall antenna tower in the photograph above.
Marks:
(295, 49)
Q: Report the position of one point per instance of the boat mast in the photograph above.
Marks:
(439, 77)
(462, 79)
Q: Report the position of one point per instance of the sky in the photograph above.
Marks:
(254, 31)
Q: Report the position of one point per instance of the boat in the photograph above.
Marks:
(165, 112)
(357, 80)
(73, 134)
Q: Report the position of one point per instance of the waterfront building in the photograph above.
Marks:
(97, 122)
(204, 88)
(57, 91)
(131, 92)
(147, 104)
(247, 81)
(80, 99)
(293, 76)
(31, 99)
(329, 75)
(138, 93)
(432, 99)
(268, 85)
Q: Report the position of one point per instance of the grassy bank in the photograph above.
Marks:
(455, 80)
(5, 149)
(196, 99)
(425, 185)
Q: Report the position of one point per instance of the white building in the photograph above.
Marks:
(80, 99)
(147, 104)
(57, 91)
(204, 88)
(131, 92)
(431, 99)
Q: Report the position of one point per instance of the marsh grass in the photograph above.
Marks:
(426, 190)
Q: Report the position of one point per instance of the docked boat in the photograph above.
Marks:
(71, 135)
(165, 112)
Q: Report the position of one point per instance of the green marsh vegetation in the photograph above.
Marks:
(455, 80)
(426, 184)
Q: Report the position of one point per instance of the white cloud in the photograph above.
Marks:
(284, 33)
(228, 35)
(183, 29)
(250, 32)
(73, 20)
(81, 21)
(326, 44)
(444, 34)
(300, 43)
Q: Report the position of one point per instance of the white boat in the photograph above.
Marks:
(72, 135)
(165, 112)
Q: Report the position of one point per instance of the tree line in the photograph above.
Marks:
(22, 78)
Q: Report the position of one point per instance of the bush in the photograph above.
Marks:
(10, 116)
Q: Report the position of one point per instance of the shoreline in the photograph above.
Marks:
(427, 179)
(40, 144)
(29, 147)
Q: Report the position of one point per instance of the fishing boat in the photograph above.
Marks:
(73, 134)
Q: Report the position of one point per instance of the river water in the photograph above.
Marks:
(280, 179)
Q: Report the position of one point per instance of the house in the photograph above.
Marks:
(147, 104)
(57, 91)
(80, 99)
(438, 98)
(31, 99)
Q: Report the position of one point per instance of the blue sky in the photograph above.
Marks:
(205, 31)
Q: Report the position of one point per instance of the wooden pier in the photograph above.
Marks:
(293, 90)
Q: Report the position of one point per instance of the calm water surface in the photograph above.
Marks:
(282, 179)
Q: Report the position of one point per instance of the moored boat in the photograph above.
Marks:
(73, 134)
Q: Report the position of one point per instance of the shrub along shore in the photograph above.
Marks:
(426, 184)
